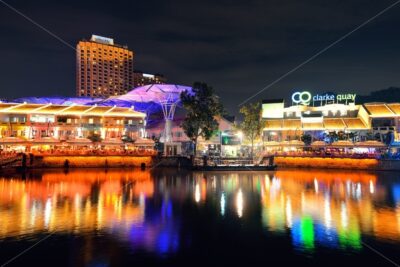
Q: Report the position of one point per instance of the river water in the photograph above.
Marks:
(170, 217)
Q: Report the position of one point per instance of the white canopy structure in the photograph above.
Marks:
(166, 95)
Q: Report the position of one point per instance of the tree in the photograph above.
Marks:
(95, 138)
(201, 105)
(127, 139)
(251, 125)
(333, 137)
(307, 139)
(353, 136)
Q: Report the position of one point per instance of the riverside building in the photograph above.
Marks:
(27, 127)
(329, 121)
(142, 79)
(103, 68)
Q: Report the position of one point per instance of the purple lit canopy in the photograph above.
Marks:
(145, 99)
(150, 99)
(57, 100)
(154, 93)
(165, 95)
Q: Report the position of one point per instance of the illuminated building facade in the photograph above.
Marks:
(225, 143)
(329, 120)
(141, 79)
(150, 100)
(23, 125)
(103, 68)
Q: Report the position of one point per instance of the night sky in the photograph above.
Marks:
(238, 47)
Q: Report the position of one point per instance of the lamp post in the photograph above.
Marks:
(346, 149)
(295, 134)
(240, 135)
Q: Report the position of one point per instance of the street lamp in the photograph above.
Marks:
(240, 136)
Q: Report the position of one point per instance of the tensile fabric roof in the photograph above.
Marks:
(154, 93)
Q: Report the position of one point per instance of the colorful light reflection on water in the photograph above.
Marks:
(159, 213)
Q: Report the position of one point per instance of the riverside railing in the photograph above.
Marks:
(99, 153)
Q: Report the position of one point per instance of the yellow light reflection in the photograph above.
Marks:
(239, 203)
(289, 217)
(337, 199)
(371, 187)
(63, 202)
(197, 193)
(316, 185)
(222, 203)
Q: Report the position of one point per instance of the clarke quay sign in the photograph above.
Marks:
(305, 98)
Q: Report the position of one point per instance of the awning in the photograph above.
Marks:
(272, 143)
(284, 143)
(44, 141)
(79, 141)
(342, 144)
(371, 143)
(12, 140)
(144, 142)
(292, 143)
(319, 144)
(296, 143)
(112, 142)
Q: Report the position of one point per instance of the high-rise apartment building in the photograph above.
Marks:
(103, 68)
(141, 79)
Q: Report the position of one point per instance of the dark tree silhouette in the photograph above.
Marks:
(201, 105)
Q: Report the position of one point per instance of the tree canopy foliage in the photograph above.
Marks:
(201, 105)
(251, 125)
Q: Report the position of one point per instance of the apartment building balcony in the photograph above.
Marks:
(92, 125)
(70, 124)
(46, 140)
(11, 140)
(112, 142)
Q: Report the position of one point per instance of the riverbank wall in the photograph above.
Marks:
(121, 161)
(31, 161)
(173, 162)
(338, 163)
(89, 161)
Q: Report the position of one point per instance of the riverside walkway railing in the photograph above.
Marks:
(328, 155)
(138, 152)
(9, 160)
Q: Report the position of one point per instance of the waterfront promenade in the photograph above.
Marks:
(147, 157)
(78, 159)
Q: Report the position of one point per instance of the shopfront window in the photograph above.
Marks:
(42, 118)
